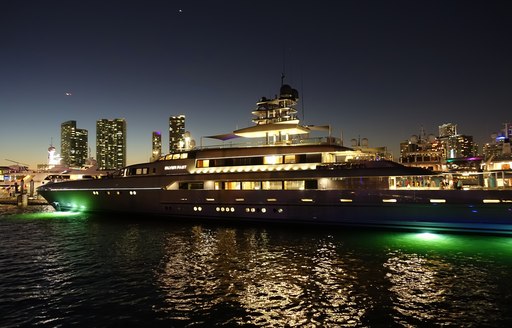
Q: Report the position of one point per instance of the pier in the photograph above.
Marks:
(21, 203)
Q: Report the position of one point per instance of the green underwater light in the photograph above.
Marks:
(49, 215)
(447, 243)
(428, 236)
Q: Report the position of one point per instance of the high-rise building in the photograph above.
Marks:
(111, 143)
(156, 145)
(82, 147)
(456, 145)
(422, 151)
(459, 146)
(447, 130)
(74, 144)
(176, 133)
(499, 148)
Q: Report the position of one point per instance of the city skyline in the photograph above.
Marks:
(379, 70)
(445, 129)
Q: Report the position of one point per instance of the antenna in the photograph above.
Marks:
(302, 97)
(284, 66)
(422, 133)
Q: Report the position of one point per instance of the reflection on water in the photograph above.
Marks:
(274, 278)
(76, 269)
(259, 282)
(434, 290)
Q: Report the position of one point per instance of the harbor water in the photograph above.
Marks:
(70, 269)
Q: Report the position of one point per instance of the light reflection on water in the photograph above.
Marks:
(81, 269)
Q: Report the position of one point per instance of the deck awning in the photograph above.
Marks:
(223, 137)
(263, 130)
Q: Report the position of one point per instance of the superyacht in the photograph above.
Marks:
(286, 177)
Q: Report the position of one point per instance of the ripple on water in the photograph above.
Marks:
(63, 270)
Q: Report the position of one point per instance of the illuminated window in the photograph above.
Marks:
(251, 185)
(273, 159)
(294, 185)
(272, 185)
(232, 185)
(289, 159)
(203, 163)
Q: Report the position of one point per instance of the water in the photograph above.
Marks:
(76, 269)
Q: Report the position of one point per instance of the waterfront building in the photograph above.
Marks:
(422, 151)
(74, 144)
(363, 146)
(111, 143)
(458, 146)
(499, 147)
(176, 133)
(497, 153)
(455, 145)
(449, 151)
(447, 130)
(460, 152)
(156, 145)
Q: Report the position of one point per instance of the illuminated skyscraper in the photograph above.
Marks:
(73, 144)
(499, 148)
(111, 143)
(176, 133)
(455, 145)
(156, 145)
(459, 146)
(447, 130)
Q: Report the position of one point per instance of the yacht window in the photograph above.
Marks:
(309, 158)
(191, 185)
(232, 185)
(202, 163)
(141, 170)
(294, 185)
(311, 184)
(289, 159)
(272, 185)
(251, 185)
(273, 159)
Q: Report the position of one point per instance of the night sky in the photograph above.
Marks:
(380, 70)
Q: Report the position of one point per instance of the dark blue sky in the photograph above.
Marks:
(376, 69)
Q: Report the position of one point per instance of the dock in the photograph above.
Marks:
(31, 201)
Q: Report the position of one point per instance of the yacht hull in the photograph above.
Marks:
(461, 210)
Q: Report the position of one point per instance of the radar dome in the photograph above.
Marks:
(288, 92)
(413, 139)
